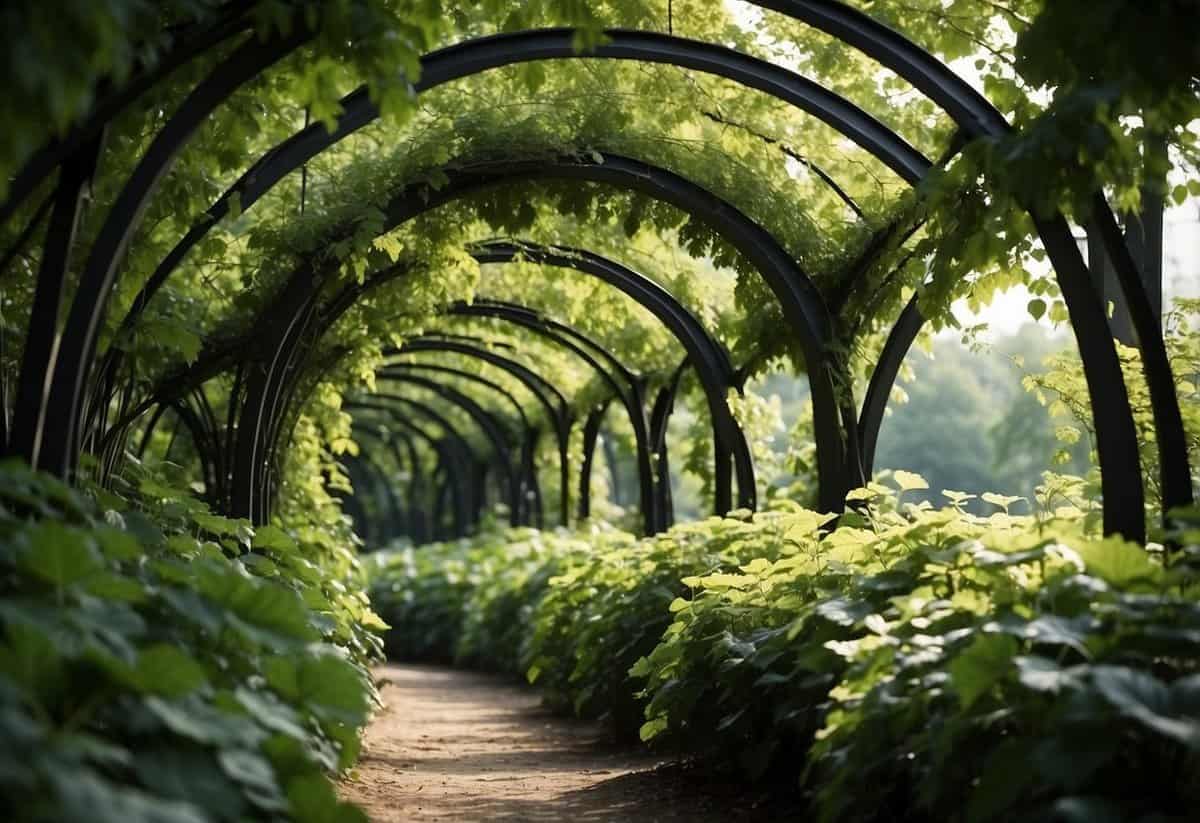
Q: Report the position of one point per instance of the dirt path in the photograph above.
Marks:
(453, 745)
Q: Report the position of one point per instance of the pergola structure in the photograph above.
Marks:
(74, 395)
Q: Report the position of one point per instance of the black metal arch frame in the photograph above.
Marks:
(715, 371)
(52, 440)
(455, 454)
(447, 460)
(364, 468)
(557, 409)
(484, 350)
(406, 460)
(492, 427)
(801, 302)
(477, 473)
(626, 386)
(529, 432)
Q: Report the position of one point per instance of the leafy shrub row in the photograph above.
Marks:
(159, 664)
(963, 667)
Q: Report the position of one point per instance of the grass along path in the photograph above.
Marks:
(463, 746)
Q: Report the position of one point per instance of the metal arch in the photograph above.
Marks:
(410, 430)
(264, 387)
(479, 55)
(77, 346)
(528, 472)
(664, 406)
(713, 367)
(445, 457)
(41, 342)
(1116, 434)
(464, 375)
(591, 430)
(491, 306)
(473, 472)
(1112, 417)
(406, 522)
(801, 302)
(151, 425)
(631, 395)
(1174, 468)
(54, 153)
(491, 427)
(377, 482)
(541, 388)
(412, 459)
(559, 415)
(883, 378)
(454, 455)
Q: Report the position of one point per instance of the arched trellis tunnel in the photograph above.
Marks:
(66, 392)
(341, 332)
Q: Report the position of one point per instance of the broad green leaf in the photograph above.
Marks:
(59, 554)
(1119, 562)
(273, 537)
(165, 670)
(909, 481)
(987, 660)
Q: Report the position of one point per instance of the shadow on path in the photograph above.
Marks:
(462, 746)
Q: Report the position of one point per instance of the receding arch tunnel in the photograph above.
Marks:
(77, 390)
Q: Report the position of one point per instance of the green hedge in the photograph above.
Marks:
(153, 668)
(964, 668)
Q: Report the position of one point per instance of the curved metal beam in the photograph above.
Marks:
(476, 56)
(713, 367)
(591, 430)
(76, 348)
(879, 391)
(468, 346)
(631, 395)
(445, 458)
(528, 471)
(1116, 435)
(488, 424)
(454, 455)
(377, 482)
(473, 470)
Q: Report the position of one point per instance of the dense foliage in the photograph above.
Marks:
(966, 667)
(159, 663)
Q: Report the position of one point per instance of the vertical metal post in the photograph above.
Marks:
(42, 340)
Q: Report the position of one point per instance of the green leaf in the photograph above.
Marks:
(1119, 562)
(1043, 675)
(1037, 308)
(333, 688)
(255, 773)
(988, 659)
(59, 554)
(1004, 777)
(83, 795)
(116, 587)
(311, 799)
(909, 481)
(653, 728)
(30, 660)
(117, 544)
(273, 537)
(1142, 697)
(167, 671)
(192, 776)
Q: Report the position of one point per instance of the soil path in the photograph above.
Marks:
(454, 745)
